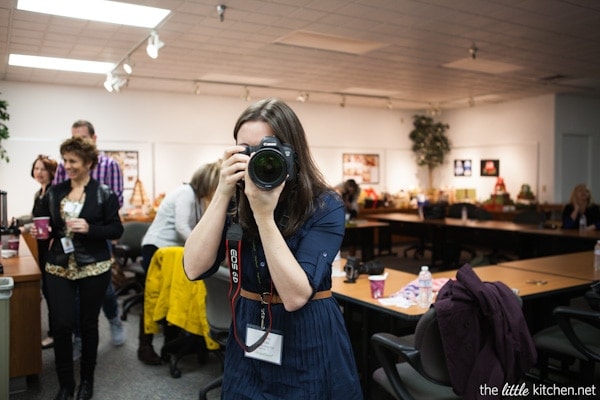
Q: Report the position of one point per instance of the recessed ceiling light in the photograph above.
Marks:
(96, 10)
(61, 64)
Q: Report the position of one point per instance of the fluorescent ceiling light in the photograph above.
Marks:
(61, 64)
(98, 10)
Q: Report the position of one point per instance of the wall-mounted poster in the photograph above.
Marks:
(490, 167)
(363, 168)
(463, 168)
(128, 161)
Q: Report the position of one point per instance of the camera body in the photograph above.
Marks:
(272, 163)
(354, 267)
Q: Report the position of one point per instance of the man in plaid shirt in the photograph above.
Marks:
(107, 172)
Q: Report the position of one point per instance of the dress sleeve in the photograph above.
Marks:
(319, 242)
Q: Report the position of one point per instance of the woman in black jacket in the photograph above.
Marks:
(84, 217)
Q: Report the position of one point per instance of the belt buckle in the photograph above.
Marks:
(263, 296)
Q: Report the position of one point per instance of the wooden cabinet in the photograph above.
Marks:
(25, 313)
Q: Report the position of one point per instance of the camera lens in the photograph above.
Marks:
(267, 168)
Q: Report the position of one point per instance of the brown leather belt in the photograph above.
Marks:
(267, 298)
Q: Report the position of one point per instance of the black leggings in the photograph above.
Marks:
(61, 292)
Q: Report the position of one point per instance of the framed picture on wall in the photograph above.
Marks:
(129, 162)
(463, 168)
(490, 167)
(363, 168)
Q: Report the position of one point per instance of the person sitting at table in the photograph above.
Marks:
(177, 215)
(350, 192)
(581, 203)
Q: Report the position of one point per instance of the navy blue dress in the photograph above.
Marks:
(317, 358)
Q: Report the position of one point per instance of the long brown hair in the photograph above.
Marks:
(297, 201)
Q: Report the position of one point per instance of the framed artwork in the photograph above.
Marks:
(490, 167)
(463, 168)
(363, 168)
(129, 162)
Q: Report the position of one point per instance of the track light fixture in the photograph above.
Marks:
(114, 83)
(128, 66)
(302, 97)
(473, 51)
(221, 11)
(196, 88)
(247, 94)
(343, 102)
(154, 44)
(389, 104)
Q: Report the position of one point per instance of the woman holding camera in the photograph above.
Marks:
(280, 242)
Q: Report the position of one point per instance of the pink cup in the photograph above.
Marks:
(13, 244)
(377, 283)
(42, 224)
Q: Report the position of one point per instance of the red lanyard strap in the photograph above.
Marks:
(234, 250)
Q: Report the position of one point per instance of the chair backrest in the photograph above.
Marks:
(455, 210)
(133, 233)
(429, 342)
(530, 217)
(218, 310)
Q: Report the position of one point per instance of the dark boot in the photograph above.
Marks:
(146, 353)
(86, 390)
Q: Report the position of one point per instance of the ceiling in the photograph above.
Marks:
(525, 48)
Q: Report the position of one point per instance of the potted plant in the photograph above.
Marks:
(430, 143)
(4, 134)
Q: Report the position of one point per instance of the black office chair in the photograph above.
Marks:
(127, 253)
(422, 372)
(530, 217)
(218, 315)
(576, 336)
(430, 211)
(453, 249)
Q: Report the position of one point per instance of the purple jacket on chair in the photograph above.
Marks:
(485, 337)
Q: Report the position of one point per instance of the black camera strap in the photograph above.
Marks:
(233, 244)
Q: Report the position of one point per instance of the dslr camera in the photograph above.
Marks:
(271, 164)
(354, 267)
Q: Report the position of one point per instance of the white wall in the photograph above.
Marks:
(175, 133)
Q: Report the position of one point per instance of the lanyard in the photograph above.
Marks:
(234, 252)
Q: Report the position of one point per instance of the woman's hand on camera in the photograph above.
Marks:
(262, 202)
(233, 169)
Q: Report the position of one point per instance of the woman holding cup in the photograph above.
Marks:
(43, 170)
(84, 217)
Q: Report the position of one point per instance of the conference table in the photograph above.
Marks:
(361, 232)
(540, 291)
(575, 265)
(521, 240)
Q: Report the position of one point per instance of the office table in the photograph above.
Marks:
(364, 316)
(576, 265)
(362, 232)
(25, 313)
(527, 241)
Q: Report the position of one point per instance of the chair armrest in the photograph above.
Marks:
(121, 253)
(389, 351)
(566, 316)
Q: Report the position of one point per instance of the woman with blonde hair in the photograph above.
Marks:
(581, 204)
(178, 214)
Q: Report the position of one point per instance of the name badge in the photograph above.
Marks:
(67, 245)
(270, 350)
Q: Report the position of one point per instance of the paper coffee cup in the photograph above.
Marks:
(42, 224)
(377, 283)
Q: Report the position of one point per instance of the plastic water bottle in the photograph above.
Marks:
(597, 257)
(464, 214)
(424, 296)
(582, 222)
